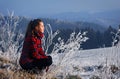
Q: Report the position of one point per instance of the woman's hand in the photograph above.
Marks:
(47, 68)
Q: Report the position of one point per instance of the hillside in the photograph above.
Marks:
(59, 24)
(104, 18)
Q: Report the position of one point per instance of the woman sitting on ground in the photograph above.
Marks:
(33, 55)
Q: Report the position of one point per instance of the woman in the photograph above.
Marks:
(33, 55)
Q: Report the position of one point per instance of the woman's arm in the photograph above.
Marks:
(36, 53)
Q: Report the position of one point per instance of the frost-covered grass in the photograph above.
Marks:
(86, 63)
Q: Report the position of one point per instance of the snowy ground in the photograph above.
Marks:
(86, 63)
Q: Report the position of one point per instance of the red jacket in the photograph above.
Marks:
(32, 49)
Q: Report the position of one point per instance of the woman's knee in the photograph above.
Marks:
(49, 57)
(49, 61)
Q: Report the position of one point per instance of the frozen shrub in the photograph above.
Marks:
(11, 39)
(48, 39)
(73, 44)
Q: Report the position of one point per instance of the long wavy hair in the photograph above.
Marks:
(31, 27)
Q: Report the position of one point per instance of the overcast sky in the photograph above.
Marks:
(39, 7)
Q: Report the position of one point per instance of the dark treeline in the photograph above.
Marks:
(97, 39)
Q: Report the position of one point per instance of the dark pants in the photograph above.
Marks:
(41, 64)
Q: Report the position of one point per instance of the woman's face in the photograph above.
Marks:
(40, 27)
